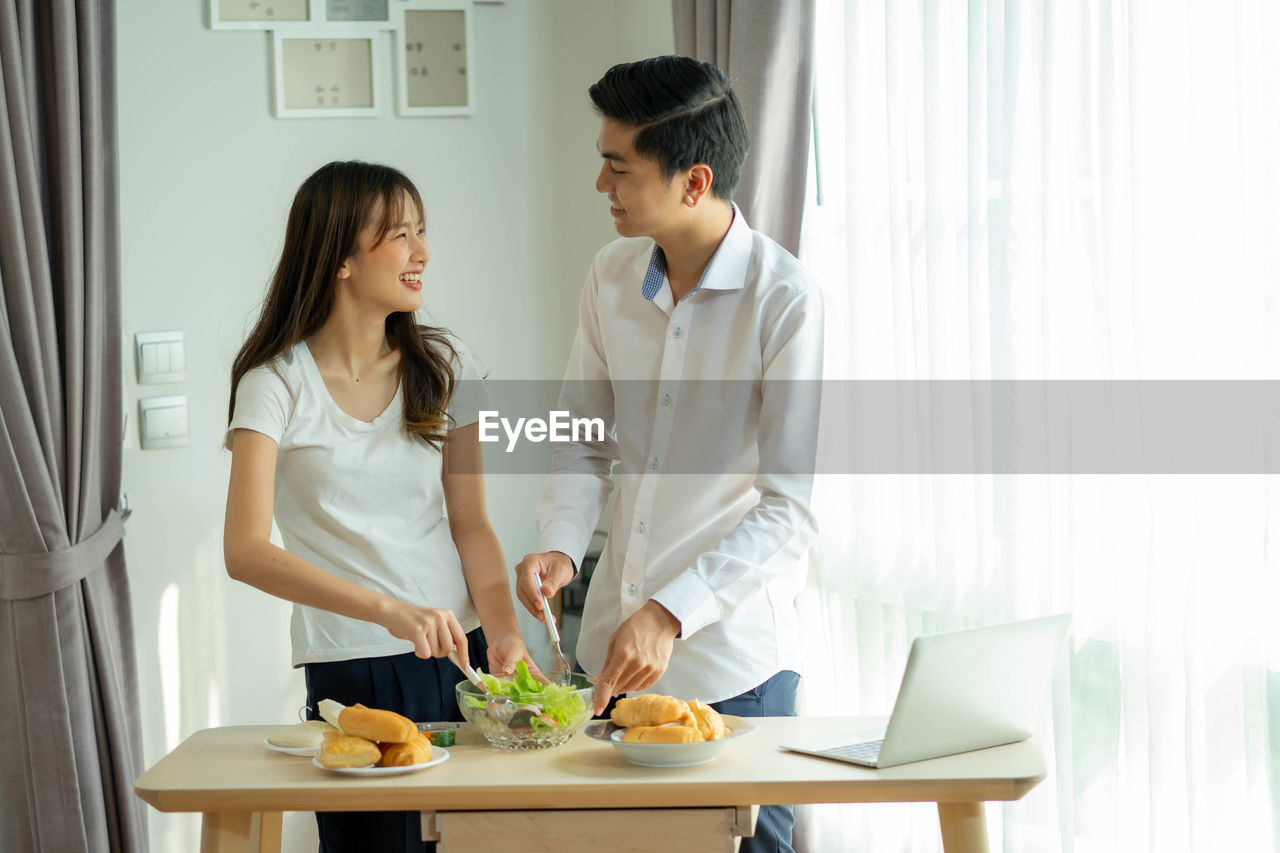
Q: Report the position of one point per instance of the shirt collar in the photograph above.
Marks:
(727, 269)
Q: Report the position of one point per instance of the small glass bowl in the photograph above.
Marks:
(527, 727)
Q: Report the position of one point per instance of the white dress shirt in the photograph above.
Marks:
(712, 407)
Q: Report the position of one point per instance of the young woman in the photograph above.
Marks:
(355, 428)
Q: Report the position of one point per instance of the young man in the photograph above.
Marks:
(700, 346)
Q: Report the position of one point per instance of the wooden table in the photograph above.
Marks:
(580, 796)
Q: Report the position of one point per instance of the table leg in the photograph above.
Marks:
(964, 827)
(226, 832)
(270, 831)
(241, 832)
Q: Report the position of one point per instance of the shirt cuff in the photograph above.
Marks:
(690, 600)
(566, 538)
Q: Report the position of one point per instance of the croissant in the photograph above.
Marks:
(650, 709)
(341, 750)
(709, 723)
(415, 751)
(662, 734)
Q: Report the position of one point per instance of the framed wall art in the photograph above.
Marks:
(262, 14)
(328, 73)
(376, 12)
(434, 49)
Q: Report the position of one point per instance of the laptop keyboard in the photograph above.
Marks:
(865, 751)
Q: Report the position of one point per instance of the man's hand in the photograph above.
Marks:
(639, 652)
(547, 572)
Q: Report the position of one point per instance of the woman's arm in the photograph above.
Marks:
(483, 565)
(252, 558)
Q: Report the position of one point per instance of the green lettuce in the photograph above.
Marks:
(560, 702)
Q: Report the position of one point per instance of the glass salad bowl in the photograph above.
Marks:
(524, 712)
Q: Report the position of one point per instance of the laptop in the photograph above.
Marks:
(962, 690)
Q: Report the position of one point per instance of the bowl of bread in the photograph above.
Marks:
(371, 742)
(661, 731)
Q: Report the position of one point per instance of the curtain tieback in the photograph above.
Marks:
(46, 572)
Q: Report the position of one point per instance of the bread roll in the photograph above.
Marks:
(368, 723)
(709, 723)
(341, 750)
(662, 734)
(649, 709)
(415, 751)
(300, 735)
(373, 724)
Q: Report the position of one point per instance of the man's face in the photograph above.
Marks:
(642, 202)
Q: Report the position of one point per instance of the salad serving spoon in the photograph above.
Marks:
(499, 708)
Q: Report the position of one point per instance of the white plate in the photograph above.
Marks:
(439, 755)
(670, 754)
(292, 750)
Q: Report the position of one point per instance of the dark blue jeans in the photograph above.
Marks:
(775, 698)
(422, 690)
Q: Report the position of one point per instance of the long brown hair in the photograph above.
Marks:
(329, 211)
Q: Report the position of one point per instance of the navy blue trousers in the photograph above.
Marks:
(422, 690)
(775, 698)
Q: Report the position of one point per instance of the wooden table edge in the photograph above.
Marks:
(561, 798)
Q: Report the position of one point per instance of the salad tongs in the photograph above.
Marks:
(499, 708)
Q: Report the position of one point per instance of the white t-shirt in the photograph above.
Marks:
(361, 500)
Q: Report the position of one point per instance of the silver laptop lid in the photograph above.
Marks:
(972, 689)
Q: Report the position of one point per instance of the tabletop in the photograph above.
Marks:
(230, 769)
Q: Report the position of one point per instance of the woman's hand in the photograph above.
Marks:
(505, 651)
(433, 632)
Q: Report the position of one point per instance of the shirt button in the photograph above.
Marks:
(677, 333)
(666, 399)
(640, 527)
(653, 464)
(631, 589)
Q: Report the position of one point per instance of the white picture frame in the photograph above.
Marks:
(328, 73)
(300, 14)
(434, 37)
(263, 14)
(375, 14)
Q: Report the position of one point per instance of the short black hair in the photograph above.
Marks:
(686, 112)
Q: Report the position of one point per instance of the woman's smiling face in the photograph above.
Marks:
(386, 271)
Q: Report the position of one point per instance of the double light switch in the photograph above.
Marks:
(161, 358)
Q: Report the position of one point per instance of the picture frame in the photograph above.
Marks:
(434, 47)
(299, 14)
(263, 14)
(328, 73)
(373, 13)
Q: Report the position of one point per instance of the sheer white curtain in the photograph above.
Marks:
(1066, 191)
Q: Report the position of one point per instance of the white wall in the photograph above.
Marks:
(206, 178)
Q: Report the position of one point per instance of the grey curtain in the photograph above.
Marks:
(69, 694)
(766, 46)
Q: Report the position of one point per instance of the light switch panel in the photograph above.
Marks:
(162, 421)
(161, 357)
